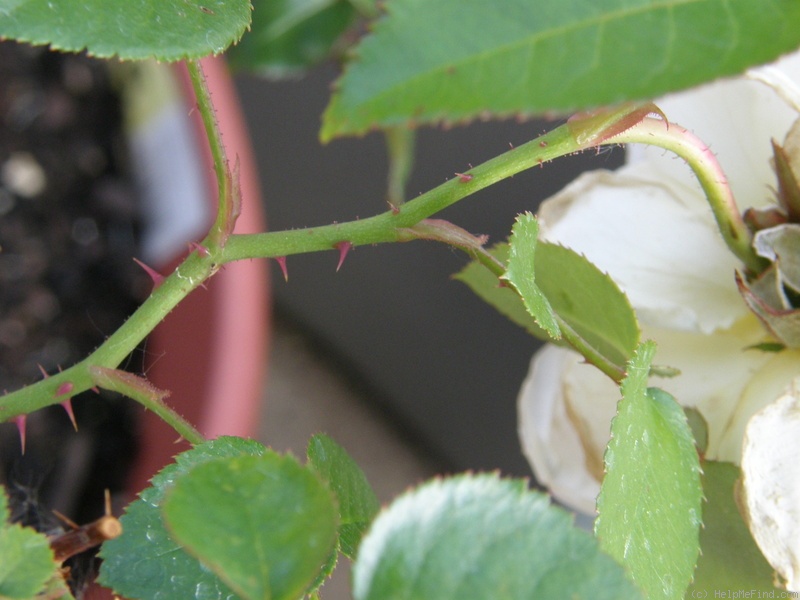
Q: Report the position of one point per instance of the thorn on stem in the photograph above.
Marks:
(344, 248)
(199, 248)
(465, 177)
(281, 260)
(42, 371)
(67, 405)
(157, 277)
(20, 421)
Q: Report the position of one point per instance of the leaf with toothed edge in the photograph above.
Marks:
(483, 538)
(503, 298)
(521, 273)
(167, 30)
(358, 504)
(649, 507)
(26, 561)
(162, 566)
(576, 291)
(455, 60)
(265, 524)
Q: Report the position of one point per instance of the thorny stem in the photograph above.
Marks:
(386, 227)
(676, 139)
(391, 226)
(226, 209)
(198, 267)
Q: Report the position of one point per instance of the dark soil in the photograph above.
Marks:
(68, 232)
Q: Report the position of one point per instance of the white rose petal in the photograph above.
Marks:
(656, 239)
(737, 118)
(771, 483)
(649, 226)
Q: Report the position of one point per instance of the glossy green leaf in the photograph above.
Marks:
(520, 273)
(289, 36)
(358, 504)
(483, 538)
(167, 30)
(650, 501)
(145, 562)
(26, 561)
(453, 60)
(729, 559)
(265, 524)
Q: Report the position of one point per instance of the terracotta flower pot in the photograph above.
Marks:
(210, 352)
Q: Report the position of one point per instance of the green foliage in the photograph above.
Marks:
(483, 538)
(521, 273)
(729, 558)
(167, 30)
(650, 502)
(452, 60)
(504, 299)
(264, 524)
(589, 301)
(26, 561)
(161, 565)
(561, 288)
(358, 504)
(289, 36)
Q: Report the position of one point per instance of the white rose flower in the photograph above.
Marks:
(649, 226)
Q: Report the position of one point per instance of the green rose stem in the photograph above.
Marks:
(676, 139)
(220, 246)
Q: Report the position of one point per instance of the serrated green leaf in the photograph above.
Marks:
(265, 524)
(145, 562)
(26, 561)
(167, 30)
(358, 504)
(482, 538)
(453, 60)
(521, 269)
(559, 285)
(589, 301)
(487, 286)
(289, 36)
(729, 559)
(650, 501)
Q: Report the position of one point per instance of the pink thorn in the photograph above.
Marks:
(67, 404)
(465, 177)
(42, 371)
(95, 389)
(281, 260)
(200, 249)
(157, 277)
(344, 248)
(20, 421)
